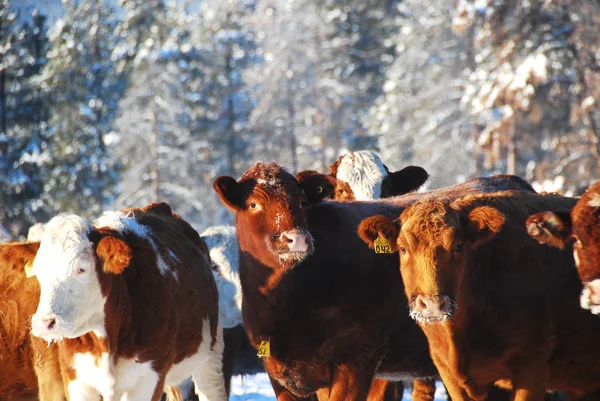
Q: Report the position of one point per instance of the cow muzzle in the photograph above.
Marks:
(294, 245)
(46, 326)
(590, 296)
(428, 309)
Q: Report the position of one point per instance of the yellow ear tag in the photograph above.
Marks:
(264, 349)
(382, 245)
(29, 270)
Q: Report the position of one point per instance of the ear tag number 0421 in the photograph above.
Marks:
(382, 245)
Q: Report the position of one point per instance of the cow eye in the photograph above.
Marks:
(320, 189)
(253, 205)
(80, 270)
(340, 191)
(403, 250)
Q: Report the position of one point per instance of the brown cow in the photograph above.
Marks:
(333, 314)
(21, 365)
(581, 228)
(495, 306)
(131, 303)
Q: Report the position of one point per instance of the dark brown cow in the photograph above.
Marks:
(332, 311)
(21, 365)
(496, 307)
(131, 304)
(581, 228)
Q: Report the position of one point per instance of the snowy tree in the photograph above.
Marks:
(323, 64)
(184, 119)
(22, 120)
(531, 88)
(83, 84)
(418, 118)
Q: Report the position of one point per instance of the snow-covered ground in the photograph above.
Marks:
(258, 388)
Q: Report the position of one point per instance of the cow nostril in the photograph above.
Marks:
(444, 306)
(421, 304)
(50, 323)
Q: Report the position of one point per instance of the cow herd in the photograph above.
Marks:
(349, 284)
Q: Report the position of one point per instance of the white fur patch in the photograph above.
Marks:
(266, 182)
(224, 253)
(364, 172)
(594, 200)
(204, 366)
(590, 296)
(123, 223)
(93, 376)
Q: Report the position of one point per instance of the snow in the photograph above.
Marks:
(258, 388)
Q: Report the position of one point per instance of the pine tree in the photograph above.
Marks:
(22, 118)
(83, 82)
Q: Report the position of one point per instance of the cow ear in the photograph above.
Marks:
(114, 254)
(406, 180)
(482, 224)
(552, 228)
(316, 186)
(370, 228)
(230, 192)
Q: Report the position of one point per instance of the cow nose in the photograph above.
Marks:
(433, 306)
(49, 322)
(296, 241)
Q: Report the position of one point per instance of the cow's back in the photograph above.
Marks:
(184, 297)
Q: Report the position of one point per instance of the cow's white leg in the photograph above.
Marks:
(144, 389)
(208, 376)
(79, 391)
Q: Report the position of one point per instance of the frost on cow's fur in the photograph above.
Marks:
(123, 223)
(364, 172)
(224, 254)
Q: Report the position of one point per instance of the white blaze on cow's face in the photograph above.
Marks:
(364, 172)
(71, 302)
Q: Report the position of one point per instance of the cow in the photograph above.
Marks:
(130, 303)
(496, 307)
(326, 314)
(579, 229)
(359, 175)
(22, 366)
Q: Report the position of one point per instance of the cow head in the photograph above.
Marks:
(318, 187)
(368, 178)
(581, 228)
(270, 222)
(72, 258)
(434, 240)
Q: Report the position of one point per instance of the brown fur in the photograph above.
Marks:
(171, 329)
(581, 226)
(335, 315)
(21, 365)
(517, 319)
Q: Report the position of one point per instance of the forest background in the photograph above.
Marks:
(118, 103)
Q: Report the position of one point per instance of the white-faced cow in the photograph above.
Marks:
(131, 303)
(359, 175)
